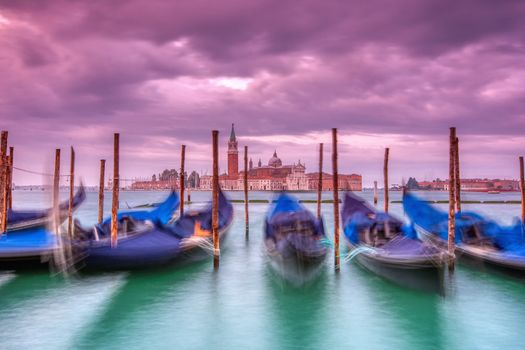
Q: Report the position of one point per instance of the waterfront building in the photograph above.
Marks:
(275, 176)
(472, 185)
(347, 182)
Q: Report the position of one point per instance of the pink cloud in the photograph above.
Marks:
(166, 73)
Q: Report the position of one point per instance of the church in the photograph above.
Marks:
(274, 176)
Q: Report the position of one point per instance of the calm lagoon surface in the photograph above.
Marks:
(245, 305)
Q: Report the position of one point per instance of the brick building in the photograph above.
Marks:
(352, 182)
(275, 176)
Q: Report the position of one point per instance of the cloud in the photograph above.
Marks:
(166, 73)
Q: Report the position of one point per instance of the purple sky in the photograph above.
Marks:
(166, 73)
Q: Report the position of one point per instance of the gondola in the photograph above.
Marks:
(379, 243)
(25, 219)
(294, 240)
(479, 242)
(28, 243)
(34, 246)
(145, 243)
(27, 248)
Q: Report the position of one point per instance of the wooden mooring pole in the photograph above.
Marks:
(181, 179)
(457, 177)
(62, 255)
(101, 191)
(522, 188)
(10, 179)
(56, 194)
(3, 182)
(335, 185)
(215, 199)
(71, 193)
(320, 181)
(246, 213)
(375, 192)
(116, 185)
(6, 185)
(452, 198)
(385, 177)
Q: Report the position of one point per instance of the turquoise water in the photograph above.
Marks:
(245, 306)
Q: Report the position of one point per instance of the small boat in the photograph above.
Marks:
(294, 240)
(25, 219)
(34, 246)
(28, 243)
(479, 242)
(380, 243)
(28, 248)
(143, 243)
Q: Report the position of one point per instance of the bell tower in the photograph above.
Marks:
(233, 156)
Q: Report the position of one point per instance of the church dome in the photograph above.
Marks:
(275, 161)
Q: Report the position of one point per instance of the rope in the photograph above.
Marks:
(326, 242)
(443, 252)
(201, 242)
(65, 175)
(436, 246)
(355, 252)
(36, 172)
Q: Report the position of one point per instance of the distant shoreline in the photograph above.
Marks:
(95, 189)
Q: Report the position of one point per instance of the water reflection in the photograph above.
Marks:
(408, 313)
(49, 312)
(486, 308)
(18, 288)
(294, 273)
(297, 314)
(135, 305)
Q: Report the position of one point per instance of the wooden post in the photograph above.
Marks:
(71, 193)
(320, 181)
(5, 203)
(6, 181)
(215, 199)
(3, 182)
(451, 198)
(116, 185)
(522, 188)
(181, 180)
(336, 198)
(189, 195)
(375, 192)
(10, 179)
(246, 215)
(56, 187)
(101, 191)
(385, 176)
(457, 178)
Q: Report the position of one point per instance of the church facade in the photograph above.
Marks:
(274, 176)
